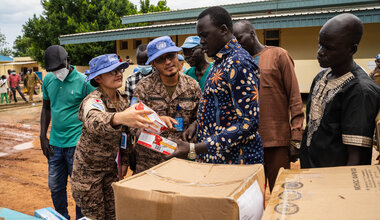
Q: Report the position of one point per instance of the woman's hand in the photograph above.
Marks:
(132, 118)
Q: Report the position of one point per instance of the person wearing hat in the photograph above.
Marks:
(63, 89)
(375, 74)
(181, 62)
(194, 56)
(106, 116)
(168, 92)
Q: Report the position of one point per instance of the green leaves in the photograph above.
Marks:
(62, 17)
(4, 49)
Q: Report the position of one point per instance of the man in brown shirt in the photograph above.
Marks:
(279, 95)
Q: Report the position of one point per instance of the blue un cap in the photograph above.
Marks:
(180, 58)
(191, 42)
(104, 64)
(160, 46)
(378, 56)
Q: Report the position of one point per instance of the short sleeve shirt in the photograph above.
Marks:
(201, 82)
(340, 112)
(228, 113)
(65, 98)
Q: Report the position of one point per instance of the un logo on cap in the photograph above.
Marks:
(161, 45)
(111, 58)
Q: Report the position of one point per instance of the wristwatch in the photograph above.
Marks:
(295, 144)
(192, 155)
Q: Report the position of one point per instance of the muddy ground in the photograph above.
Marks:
(23, 167)
(23, 170)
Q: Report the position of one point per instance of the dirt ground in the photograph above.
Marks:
(23, 167)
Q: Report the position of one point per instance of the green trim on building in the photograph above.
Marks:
(243, 8)
(285, 20)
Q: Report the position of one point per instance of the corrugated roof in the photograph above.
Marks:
(279, 15)
(18, 63)
(242, 8)
(5, 58)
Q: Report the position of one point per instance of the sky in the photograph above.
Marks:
(15, 13)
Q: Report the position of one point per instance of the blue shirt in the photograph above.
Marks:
(228, 114)
(65, 98)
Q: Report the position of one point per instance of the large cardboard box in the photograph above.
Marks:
(326, 193)
(182, 189)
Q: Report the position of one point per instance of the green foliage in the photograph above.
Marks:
(146, 7)
(21, 47)
(62, 17)
(4, 50)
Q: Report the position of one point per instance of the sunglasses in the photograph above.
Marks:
(116, 71)
(161, 59)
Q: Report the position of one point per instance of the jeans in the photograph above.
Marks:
(19, 92)
(60, 168)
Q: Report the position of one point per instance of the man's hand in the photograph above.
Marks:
(132, 118)
(169, 122)
(181, 151)
(46, 148)
(190, 132)
(294, 151)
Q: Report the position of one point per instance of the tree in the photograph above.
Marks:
(4, 50)
(62, 17)
(21, 47)
(146, 7)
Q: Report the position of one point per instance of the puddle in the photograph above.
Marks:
(24, 146)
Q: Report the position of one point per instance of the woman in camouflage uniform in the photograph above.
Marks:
(105, 114)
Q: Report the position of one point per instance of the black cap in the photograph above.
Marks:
(55, 58)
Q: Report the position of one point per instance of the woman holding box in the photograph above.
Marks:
(105, 114)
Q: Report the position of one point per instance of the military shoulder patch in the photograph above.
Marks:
(93, 104)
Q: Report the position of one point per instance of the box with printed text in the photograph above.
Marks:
(350, 192)
(156, 143)
(182, 189)
(158, 125)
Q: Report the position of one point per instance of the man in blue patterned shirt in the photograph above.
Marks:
(228, 114)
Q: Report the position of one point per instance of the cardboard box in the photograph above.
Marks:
(182, 189)
(326, 193)
(158, 125)
(9, 214)
(156, 143)
(48, 214)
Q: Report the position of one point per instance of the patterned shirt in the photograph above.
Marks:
(228, 113)
(340, 112)
(131, 83)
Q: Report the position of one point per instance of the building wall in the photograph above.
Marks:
(301, 43)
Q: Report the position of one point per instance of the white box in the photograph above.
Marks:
(156, 143)
(158, 125)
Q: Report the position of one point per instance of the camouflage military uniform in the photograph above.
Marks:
(183, 103)
(94, 167)
(32, 80)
